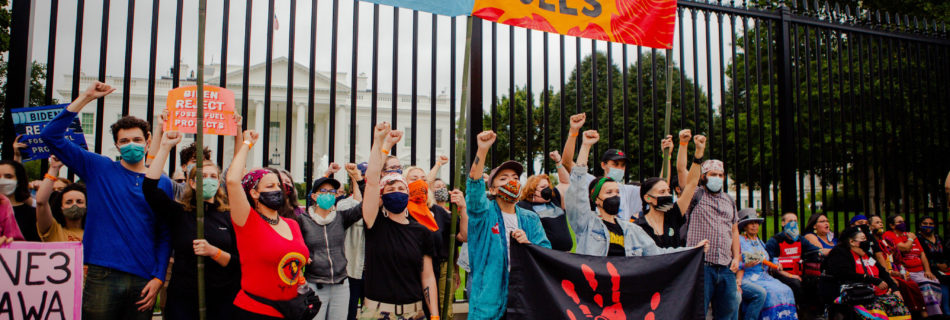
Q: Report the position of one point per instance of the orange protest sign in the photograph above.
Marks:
(218, 110)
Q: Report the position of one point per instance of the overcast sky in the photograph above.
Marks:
(66, 23)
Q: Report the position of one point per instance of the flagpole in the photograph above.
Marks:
(199, 159)
(460, 130)
(669, 109)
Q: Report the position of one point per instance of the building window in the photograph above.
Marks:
(274, 131)
(438, 138)
(88, 122)
(407, 136)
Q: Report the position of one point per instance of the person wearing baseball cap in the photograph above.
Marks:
(494, 220)
(399, 279)
(613, 162)
(324, 229)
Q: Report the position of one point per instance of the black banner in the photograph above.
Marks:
(550, 284)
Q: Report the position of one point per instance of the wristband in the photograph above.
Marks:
(50, 177)
(698, 161)
(386, 152)
(150, 157)
(574, 134)
(434, 318)
(683, 144)
(216, 255)
(249, 144)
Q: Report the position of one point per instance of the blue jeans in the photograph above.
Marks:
(720, 290)
(335, 299)
(112, 294)
(753, 299)
(945, 304)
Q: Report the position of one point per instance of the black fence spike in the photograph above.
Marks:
(877, 16)
(916, 24)
(847, 12)
(805, 7)
(887, 17)
(836, 13)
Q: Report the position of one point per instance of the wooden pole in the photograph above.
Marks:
(199, 155)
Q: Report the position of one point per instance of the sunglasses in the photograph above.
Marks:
(326, 191)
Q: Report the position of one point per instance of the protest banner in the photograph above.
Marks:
(550, 284)
(28, 122)
(182, 109)
(41, 280)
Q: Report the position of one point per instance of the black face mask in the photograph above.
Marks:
(865, 229)
(611, 205)
(664, 203)
(547, 194)
(272, 199)
(865, 245)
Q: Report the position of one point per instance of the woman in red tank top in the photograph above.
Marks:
(273, 253)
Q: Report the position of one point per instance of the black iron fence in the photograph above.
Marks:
(813, 107)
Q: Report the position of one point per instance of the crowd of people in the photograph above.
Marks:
(378, 246)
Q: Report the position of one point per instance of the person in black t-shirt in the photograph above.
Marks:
(398, 273)
(541, 198)
(665, 218)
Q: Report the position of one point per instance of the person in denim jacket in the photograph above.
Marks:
(494, 220)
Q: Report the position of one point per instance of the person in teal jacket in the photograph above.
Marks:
(494, 219)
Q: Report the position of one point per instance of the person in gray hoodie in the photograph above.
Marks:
(324, 231)
(592, 213)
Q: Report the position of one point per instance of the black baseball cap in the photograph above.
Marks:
(613, 154)
(510, 164)
(333, 183)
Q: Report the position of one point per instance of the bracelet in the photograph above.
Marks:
(249, 144)
(51, 177)
(150, 157)
(434, 318)
(574, 134)
(385, 151)
(698, 161)
(683, 144)
(216, 255)
(559, 166)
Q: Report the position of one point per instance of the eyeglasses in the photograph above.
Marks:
(180, 180)
(326, 191)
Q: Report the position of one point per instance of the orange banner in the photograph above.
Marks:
(182, 109)
(640, 22)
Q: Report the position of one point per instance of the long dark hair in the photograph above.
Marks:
(22, 191)
(889, 221)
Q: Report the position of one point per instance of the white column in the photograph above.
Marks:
(257, 161)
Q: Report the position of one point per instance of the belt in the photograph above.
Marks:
(710, 264)
(395, 309)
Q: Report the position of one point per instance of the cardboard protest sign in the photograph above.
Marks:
(41, 280)
(182, 109)
(28, 122)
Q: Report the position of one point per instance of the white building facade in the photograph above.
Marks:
(278, 126)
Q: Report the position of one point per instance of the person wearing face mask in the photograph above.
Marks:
(441, 193)
(664, 218)
(614, 164)
(272, 249)
(934, 250)
(540, 197)
(398, 274)
(786, 248)
(712, 215)
(72, 205)
(219, 245)
(592, 214)
(9, 231)
(494, 221)
(848, 263)
(887, 256)
(912, 258)
(14, 184)
(323, 230)
(125, 246)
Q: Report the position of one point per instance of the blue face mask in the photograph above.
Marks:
(326, 201)
(132, 152)
(714, 184)
(616, 174)
(395, 202)
(209, 188)
(791, 230)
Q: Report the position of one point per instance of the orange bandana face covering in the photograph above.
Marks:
(418, 205)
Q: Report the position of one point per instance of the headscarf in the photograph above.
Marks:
(251, 179)
(418, 205)
(712, 164)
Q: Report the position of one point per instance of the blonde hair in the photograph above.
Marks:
(221, 197)
(430, 196)
(531, 186)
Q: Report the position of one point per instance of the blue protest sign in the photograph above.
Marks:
(28, 122)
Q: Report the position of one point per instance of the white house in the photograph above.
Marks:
(278, 126)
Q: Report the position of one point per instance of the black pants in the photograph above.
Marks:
(356, 294)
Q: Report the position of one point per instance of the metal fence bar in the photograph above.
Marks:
(268, 83)
(289, 104)
(223, 73)
(353, 78)
(103, 54)
(127, 82)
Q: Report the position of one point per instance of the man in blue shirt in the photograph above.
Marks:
(494, 219)
(125, 245)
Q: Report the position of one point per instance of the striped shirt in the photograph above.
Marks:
(711, 216)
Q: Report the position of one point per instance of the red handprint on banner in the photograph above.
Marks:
(613, 311)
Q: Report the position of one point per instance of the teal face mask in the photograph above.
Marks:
(132, 152)
(326, 201)
(209, 188)
(616, 174)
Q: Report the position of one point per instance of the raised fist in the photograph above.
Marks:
(98, 90)
(251, 136)
(555, 156)
(443, 160)
(685, 135)
(381, 130)
(700, 141)
(486, 139)
(591, 137)
(171, 138)
(333, 168)
(393, 138)
(577, 120)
